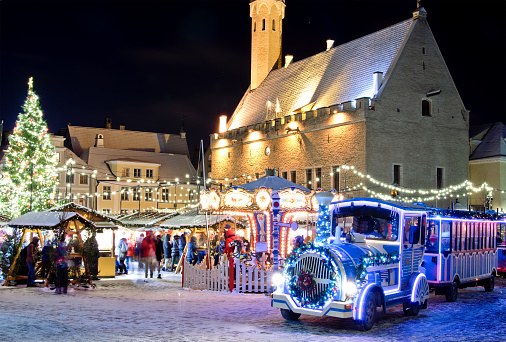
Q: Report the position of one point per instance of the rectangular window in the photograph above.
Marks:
(165, 194)
(150, 173)
(136, 194)
(106, 211)
(397, 174)
(318, 177)
(293, 176)
(148, 194)
(124, 194)
(83, 179)
(69, 179)
(137, 173)
(284, 174)
(124, 211)
(106, 193)
(439, 178)
(309, 178)
(125, 172)
(335, 177)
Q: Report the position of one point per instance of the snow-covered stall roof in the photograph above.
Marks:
(104, 221)
(4, 220)
(145, 219)
(47, 220)
(272, 182)
(192, 219)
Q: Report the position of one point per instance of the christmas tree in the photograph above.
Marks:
(29, 173)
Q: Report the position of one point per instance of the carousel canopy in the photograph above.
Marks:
(274, 183)
(47, 220)
(192, 219)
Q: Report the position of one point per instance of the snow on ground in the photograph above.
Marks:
(131, 308)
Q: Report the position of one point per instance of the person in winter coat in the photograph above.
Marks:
(122, 249)
(175, 252)
(45, 257)
(130, 253)
(138, 245)
(61, 265)
(191, 252)
(167, 251)
(182, 244)
(220, 248)
(32, 254)
(159, 254)
(148, 254)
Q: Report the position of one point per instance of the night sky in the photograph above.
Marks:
(149, 65)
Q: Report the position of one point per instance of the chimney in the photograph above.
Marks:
(330, 44)
(108, 123)
(223, 123)
(288, 60)
(377, 80)
(121, 127)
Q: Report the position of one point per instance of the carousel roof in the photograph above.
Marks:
(192, 219)
(47, 220)
(272, 182)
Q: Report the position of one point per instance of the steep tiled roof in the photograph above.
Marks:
(172, 165)
(82, 138)
(493, 143)
(343, 73)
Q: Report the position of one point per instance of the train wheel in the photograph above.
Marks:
(289, 315)
(411, 309)
(369, 314)
(489, 285)
(452, 292)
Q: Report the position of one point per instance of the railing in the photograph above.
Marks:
(232, 275)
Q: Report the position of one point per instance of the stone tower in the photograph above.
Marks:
(266, 28)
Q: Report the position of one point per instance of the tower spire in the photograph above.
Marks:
(266, 29)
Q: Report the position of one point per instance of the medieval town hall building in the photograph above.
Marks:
(383, 105)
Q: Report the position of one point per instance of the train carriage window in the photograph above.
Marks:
(464, 235)
(446, 236)
(480, 235)
(412, 230)
(475, 235)
(489, 228)
(457, 235)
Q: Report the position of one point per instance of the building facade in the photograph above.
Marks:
(374, 114)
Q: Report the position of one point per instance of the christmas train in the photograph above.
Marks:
(370, 253)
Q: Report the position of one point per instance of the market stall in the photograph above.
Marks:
(36, 222)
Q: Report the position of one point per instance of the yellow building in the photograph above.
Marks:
(487, 163)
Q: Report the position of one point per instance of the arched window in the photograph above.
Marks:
(263, 24)
(254, 26)
(425, 108)
(273, 25)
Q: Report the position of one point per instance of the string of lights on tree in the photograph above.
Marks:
(29, 174)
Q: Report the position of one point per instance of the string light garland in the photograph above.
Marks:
(378, 259)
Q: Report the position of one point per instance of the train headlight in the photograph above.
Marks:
(350, 288)
(277, 279)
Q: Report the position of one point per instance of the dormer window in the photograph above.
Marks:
(150, 173)
(137, 173)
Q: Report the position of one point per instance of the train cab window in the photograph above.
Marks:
(377, 228)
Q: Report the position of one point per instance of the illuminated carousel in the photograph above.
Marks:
(251, 202)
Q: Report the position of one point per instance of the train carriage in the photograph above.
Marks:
(460, 252)
(501, 246)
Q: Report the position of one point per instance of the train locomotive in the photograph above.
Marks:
(376, 263)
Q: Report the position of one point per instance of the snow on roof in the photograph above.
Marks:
(145, 219)
(344, 73)
(46, 220)
(493, 143)
(72, 205)
(196, 220)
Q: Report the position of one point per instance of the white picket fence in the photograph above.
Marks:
(246, 278)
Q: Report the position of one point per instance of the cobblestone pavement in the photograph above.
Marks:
(135, 309)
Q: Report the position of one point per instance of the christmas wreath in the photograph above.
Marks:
(305, 281)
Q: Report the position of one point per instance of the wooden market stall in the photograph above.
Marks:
(36, 222)
(107, 260)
